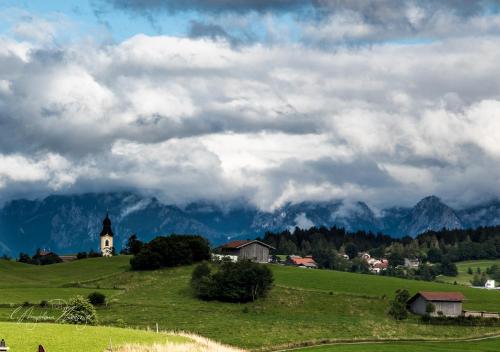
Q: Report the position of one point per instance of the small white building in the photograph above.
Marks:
(411, 263)
(490, 284)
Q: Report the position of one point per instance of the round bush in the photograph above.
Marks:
(79, 311)
(97, 299)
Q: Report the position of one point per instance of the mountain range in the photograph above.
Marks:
(71, 223)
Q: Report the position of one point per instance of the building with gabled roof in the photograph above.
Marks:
(253, 250)
(448, 304)
(306, 262)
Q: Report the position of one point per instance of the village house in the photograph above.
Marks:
(365, 256)
(411, 263)
(377, 265)
(448, 304)
(302, 262)
(253, 250)
(343, 255)
(490, 284)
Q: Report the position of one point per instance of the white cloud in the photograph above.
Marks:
(189, 119)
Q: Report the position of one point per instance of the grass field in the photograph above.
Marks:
(491, 345)
(465, 278)
(64, 338)
(305, 305)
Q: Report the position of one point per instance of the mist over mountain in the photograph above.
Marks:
(71, 223)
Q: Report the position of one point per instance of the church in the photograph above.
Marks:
(106, 237)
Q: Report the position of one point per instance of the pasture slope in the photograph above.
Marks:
(25, 337)
(304, 306)
(463, 277)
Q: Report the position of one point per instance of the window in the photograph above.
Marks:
(106, 244)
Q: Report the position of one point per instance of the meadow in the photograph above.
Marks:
(305, 305)
(489, 345)
(464, 278)
(26, 337)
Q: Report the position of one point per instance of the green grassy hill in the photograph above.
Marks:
(64, 338)
(464, 278)
(489, 345)
(305, 305)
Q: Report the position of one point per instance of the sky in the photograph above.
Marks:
(265, 101)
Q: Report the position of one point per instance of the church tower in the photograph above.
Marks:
(106, 238)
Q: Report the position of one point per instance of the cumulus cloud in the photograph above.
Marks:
(194, 118)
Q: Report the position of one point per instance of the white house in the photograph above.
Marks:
(490, 284)
(412, 263)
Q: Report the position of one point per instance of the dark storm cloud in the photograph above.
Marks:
(211, 6)
(377, 11)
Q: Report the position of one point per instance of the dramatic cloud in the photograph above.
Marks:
(213, 6)
(323, 22)
(196, 118)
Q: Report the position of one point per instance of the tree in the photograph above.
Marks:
(425, 272)
(494, 272)
(24, 258)
(82, 255)
(469, 271)
(434, 255)
(430, 308)
(79, 311)
(146, 259)
(325, 258)
(397, 308)
(242, 281)
(133, 245)
(378, 252)
(351, 250)
(479, 280)
(171, 251)
(395, 259)
(448, 268)
(97, 298)
(359, 265)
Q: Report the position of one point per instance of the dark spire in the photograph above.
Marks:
(106, 226)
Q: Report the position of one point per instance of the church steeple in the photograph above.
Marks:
(106, 236)
(106, 226)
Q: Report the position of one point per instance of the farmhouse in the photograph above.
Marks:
(306, 262)
(411, 263)
(254, 250)
(448, 304)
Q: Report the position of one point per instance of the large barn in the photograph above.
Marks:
(254, 250)
(448, 304)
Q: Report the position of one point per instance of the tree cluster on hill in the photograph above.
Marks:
(133, 246)
(432, 246)
(89, 254)
(39, 258)
(480, 277)
(171, 251)
(242, 281)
